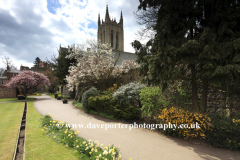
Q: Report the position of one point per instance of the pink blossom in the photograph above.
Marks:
(28, 80)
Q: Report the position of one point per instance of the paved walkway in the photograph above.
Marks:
(138, 144)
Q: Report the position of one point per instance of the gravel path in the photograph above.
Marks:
(138, 144)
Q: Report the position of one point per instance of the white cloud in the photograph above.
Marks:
(29, 30)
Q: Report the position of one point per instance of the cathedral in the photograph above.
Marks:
(111, 32)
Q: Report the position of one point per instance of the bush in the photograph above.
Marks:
(225, 132)
(179, 116)
(80, 93)
(109, 105)
(125, 112)
(128, 94)
(153, 101)
(100, 103)
(91, 92)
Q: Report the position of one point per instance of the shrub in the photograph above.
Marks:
(125, 112)
(91, 92)
(80, 93)
(109, 105)
(128, 94)
(100, 103)
(179, 116)
(74, 102)
(225, 132)
(153, 101)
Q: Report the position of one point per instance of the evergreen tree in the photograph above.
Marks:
(60, 64)
(37, 62)
(196, 41)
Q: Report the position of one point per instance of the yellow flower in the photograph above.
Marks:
(67, 145)
(76, 140)
(90, 152)
(54, 136)
(42, 129)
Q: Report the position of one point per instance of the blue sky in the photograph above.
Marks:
(36, 28)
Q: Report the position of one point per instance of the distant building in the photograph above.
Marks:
(6, 92)
(111, 32)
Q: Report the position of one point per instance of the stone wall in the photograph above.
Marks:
(7, 92)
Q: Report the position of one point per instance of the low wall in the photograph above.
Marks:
(7, 92)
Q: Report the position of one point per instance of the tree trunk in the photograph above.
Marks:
(194, 89)
(25, 92)
(204, 95)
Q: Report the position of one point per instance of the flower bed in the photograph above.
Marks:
(64, 134)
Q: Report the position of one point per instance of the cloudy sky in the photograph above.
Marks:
(36, 28)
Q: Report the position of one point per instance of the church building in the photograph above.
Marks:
(111, 32)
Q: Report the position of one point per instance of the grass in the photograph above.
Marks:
(11, 115)
(15, 99)
(39, 146)
(64, 134)
(53, 95)
(35, 94)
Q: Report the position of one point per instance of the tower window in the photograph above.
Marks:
(111, 39)
(117, 41)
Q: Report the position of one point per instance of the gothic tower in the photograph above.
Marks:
(109, 31)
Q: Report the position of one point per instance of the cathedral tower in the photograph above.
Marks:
(109, 31)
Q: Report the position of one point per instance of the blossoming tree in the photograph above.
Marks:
(28, 80)
(96, 65)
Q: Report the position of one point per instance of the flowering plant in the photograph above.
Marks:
(28, 80)
(96, 65)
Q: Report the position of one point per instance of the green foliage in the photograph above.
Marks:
(153, 101)
(37, 62)
(91, 92)
(128, 94)
(60, 64)
(80, 93)
(178, 94)
(225, 132)
(109, 105)
(63, 133)
(102, 114)
(100, 103)
(125, 112)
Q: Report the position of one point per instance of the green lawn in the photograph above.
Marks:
(10, 119)
(15, 99)
(39, 146)
(53, 95)
(35, 94)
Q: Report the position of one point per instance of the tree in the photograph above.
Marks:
(96, 66)
(1, 71)
(28, 80)
(53, 80)
(147, 17)
(195, 41)
(9, 63)
(61, 64)
(37, 62)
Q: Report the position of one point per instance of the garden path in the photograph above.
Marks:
(138, 144)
